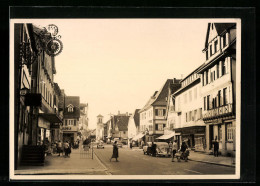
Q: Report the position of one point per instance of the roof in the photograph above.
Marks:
(72, 100)
(159, 96)
(122, 122)
(136, 117)
(220, 28)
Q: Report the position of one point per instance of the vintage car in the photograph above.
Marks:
(162, 149)
(100, 145)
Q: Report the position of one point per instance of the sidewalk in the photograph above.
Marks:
(76, 164)
(205, 158)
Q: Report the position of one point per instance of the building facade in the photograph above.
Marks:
(219, 86)
(153, 115)
(71, 117)
(185, 116)
(133, 125)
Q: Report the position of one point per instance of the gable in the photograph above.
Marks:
(212, 32)
(70, 106)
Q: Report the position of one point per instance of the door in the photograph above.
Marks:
(210, 136)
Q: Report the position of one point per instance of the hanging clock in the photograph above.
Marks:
(54, 47)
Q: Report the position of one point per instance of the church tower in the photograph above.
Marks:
(100, 128)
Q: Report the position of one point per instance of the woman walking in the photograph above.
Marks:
(115, 151)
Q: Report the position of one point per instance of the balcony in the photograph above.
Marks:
(225, 110)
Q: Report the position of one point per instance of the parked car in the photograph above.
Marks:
(161, 149)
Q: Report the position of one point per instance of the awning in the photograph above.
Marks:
(138, 136)
(52, 118)
(167, 136)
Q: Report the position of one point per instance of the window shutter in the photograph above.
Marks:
(220, 68)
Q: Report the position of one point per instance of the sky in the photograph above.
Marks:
(117, 64)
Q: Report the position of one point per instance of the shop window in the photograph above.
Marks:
(230, 135)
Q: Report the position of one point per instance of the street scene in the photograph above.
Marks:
(124, 97)
(130, 162)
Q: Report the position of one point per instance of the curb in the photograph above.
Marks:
(102, 164)
(208, 162)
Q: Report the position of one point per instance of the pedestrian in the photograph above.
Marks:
(174, 149)
(153, 149)
(216, 147)
(169, 147)
(115, 151)
(131, 144)
(66, 148)
(59, 146)
(142, 144)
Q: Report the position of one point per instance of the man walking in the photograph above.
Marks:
(174, 149)
(216, 147)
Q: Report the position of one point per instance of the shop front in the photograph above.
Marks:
(47, 124)
(194, 137)
(70, 133)
(224, 131)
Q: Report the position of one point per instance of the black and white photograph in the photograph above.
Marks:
(125, 98)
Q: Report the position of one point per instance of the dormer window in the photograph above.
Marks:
(70, 108)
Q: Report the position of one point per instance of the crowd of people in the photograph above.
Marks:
(60, 148)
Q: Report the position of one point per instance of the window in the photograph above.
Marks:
(216, 45)
(186, 117)
(208, 98)
(223, 68)
(207, 77)
(207, 55)
(225, 96)
(210, 49)
(66, 122)
(70, 109)
(230, 135)
(75, 122)
(224, 40)
(205, 102)
(195, 115)
(219, 98)
(156, 112)
(192, 115)
(156, 126)
(200, 114)
(164, 112)
(150, 127)
(217, 70)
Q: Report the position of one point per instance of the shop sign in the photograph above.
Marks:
(66, 128)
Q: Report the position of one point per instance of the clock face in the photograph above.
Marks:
(53, 29)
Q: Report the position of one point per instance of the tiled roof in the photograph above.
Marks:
(220, 27)
(74, 100)
(122, 122)
(137, 117)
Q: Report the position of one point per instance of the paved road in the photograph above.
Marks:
(134, 162)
